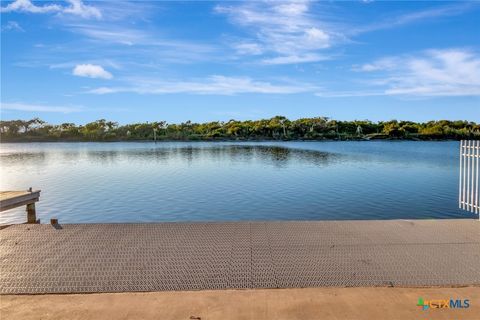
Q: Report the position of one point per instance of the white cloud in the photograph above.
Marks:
(446, 72)
(285, 32)
(413, 17)
(105, 90)
(38, 108)
(349, 94)
(213, 85)
(28, 6)
(144, 45)
(293, 32)
(388, 63)
(109, 34)
(292, 9)
(12, 25)
(77, 7)
(451, 72)
(248, 48)
(317, 35)
(91, 71)
(309, 57)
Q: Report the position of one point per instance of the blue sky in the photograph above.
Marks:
(130, 61)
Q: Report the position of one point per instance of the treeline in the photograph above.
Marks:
(276, 128)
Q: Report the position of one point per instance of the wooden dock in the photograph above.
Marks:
(14, 199)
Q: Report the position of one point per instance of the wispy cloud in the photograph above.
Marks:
(131, 11)
(414, 17)
(349, 94)
(248, 48)
(143, 43)
(451, 72)
(284, 32)
(78, 8)
(308, 57)
(12, 26)
(75, 7)
(298, 32)
(91, 71)
(38, 108)
(110, 33)
(432, 73)
(387, 63)
(213, 85)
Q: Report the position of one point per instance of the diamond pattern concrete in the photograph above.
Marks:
(77, 258)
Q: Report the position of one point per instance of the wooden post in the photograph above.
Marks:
(31, 214)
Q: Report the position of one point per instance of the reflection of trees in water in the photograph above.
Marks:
(23, 157)
(71, 156)
(281, 156)
(104, 156)
(276, 155)
(112, 156)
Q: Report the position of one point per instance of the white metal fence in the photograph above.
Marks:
(469, 171)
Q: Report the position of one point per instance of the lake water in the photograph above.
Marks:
(204, 181)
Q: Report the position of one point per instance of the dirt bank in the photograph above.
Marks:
(304, 304)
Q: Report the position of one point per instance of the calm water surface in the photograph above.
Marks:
(142, 182)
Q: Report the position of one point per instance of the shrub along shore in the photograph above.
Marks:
(276, 128)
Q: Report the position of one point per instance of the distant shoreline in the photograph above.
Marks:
(278, 128)
(220, 140)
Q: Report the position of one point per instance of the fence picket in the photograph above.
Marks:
(468, 193)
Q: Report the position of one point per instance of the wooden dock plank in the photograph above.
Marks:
(13, 199)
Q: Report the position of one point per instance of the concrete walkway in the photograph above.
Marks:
(259, 304)
(193, 256)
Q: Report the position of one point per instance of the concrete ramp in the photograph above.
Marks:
(76, 258)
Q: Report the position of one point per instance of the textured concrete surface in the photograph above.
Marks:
(193, 256)
(265, 304)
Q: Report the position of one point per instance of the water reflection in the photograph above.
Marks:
(22, 157)
(273, 155)
(104, 157)
(175, 181)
